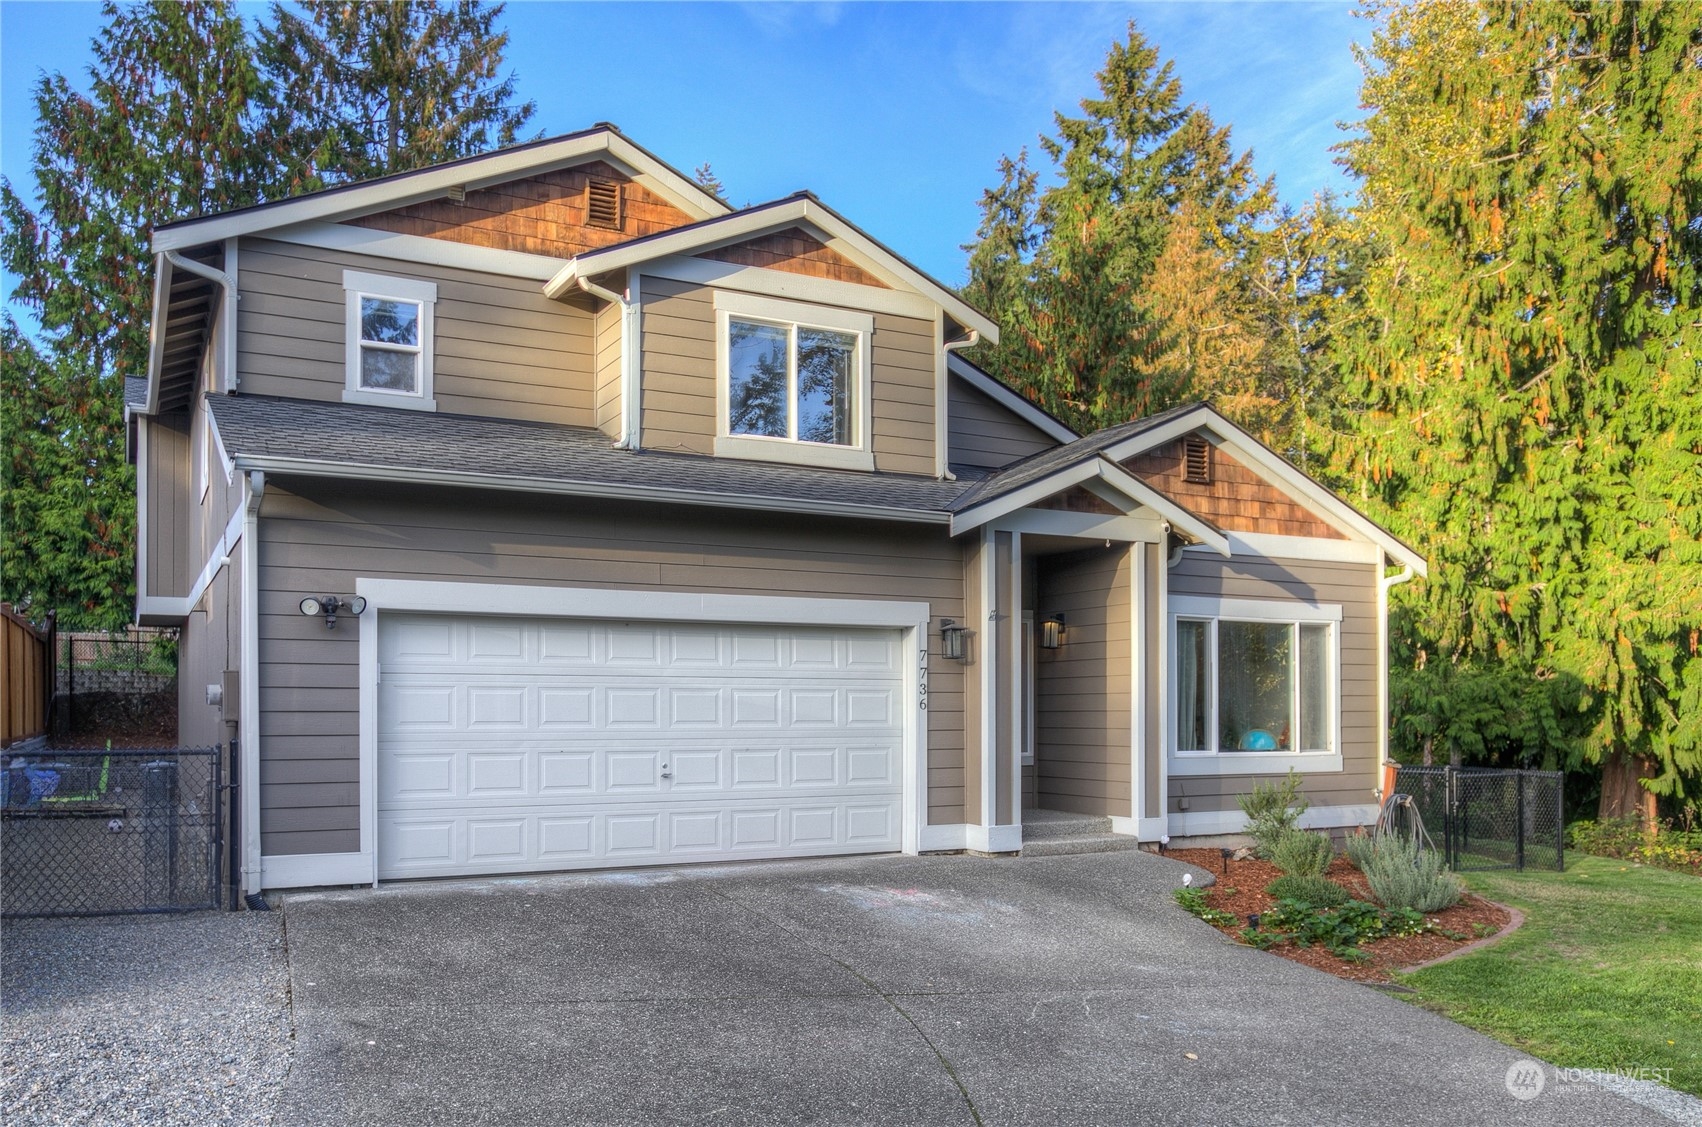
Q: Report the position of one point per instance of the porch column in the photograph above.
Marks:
(999, 684)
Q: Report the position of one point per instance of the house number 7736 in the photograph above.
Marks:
(922, 679)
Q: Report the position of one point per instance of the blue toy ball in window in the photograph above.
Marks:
(1257, 739)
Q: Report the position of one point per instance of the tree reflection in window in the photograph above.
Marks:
(764, 398)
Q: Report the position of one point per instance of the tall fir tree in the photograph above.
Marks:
(1063, 267)
(163, 132)
(1532, 361)
(364, 90)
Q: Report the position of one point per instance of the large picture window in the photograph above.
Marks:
(794, 382)
(1253, 681)
(389, 340)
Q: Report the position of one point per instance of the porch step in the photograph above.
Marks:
(1040, 824)
(1085, 843)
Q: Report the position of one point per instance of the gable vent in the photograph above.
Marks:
(1196, 459)
(603, 204)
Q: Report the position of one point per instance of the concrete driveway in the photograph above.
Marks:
(892, 991)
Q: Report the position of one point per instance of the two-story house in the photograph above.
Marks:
(541, 511)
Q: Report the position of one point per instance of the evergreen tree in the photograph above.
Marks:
(1532, 361)
(1063, 268)
(363, 90)
(163, 132)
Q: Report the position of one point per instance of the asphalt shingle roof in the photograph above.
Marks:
(354, 434)
(136, 392)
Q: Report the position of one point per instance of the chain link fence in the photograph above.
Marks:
(98, 832)
(122, 684)
(1487, 818)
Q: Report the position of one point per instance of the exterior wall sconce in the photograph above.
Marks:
(952, 639)
(1052, 632)
(329, 605)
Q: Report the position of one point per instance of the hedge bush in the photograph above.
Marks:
(1272, 810)
(1403, 874)
(1301, 854)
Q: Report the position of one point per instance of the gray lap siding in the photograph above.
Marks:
(320, 537)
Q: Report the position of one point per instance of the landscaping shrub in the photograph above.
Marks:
(1405, 875)
(1272, 809)
(1359, 846)
(1301, 854)
(1193, 901)
(1626, 840)
(1316, 891)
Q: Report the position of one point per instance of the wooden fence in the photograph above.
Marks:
(26, 677)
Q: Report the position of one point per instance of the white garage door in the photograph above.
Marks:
(516, 745)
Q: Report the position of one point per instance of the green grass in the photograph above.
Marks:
(1606, 972)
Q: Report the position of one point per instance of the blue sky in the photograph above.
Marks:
(895, 114)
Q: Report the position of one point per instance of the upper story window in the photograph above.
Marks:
(793, 382)
(389, 353)
(1253, 686)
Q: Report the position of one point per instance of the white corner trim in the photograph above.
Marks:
(632, 364)
(419, 250)
(316, 870)
(1009, 399)
(940, 839)
(1204, 823)
(248, 726)
(993, 839)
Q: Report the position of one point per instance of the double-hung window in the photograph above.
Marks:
(389, 340)
(1253, 686)
(792, 382)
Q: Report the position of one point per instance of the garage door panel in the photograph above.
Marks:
(528, 745)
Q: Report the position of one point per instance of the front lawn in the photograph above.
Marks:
(1605, 974)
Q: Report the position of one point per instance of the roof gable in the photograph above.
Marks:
(1234, 498)
(797, 252)
(543, 214)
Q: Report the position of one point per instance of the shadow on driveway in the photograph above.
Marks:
(889, 990)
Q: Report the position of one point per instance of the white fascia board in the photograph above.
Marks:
(974, 517)
(419, 249)
(760, 220)
(1248, 450)
(156, 331)
(1180, 518)
(513, 483)
(1009, 399)
(1084, 526)
(1312, 548)
(433, 183)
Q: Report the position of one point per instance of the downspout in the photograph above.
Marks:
(628, 439)
(227, 318)
(250, 715)
(1384, 583)
(941, 397)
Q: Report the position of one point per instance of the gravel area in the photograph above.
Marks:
(144, 1019)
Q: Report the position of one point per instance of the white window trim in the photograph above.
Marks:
(858, 456)
(358, 284)
(1213, 763)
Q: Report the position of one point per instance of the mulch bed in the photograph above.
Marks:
(1240, 889)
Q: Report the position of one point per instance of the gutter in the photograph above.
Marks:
(227, 319)
(1384, 584)
(942, 431)
(630, 356)
(355, 471)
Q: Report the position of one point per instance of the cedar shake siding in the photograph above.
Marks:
(1354, 588)
(679, 378)
(501, 348)
(324, 536)
(1235, 500)
(1082, 689)
(539, 215)
(795, 252)
(986, 436)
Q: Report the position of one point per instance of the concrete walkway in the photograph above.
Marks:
(891, 991)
